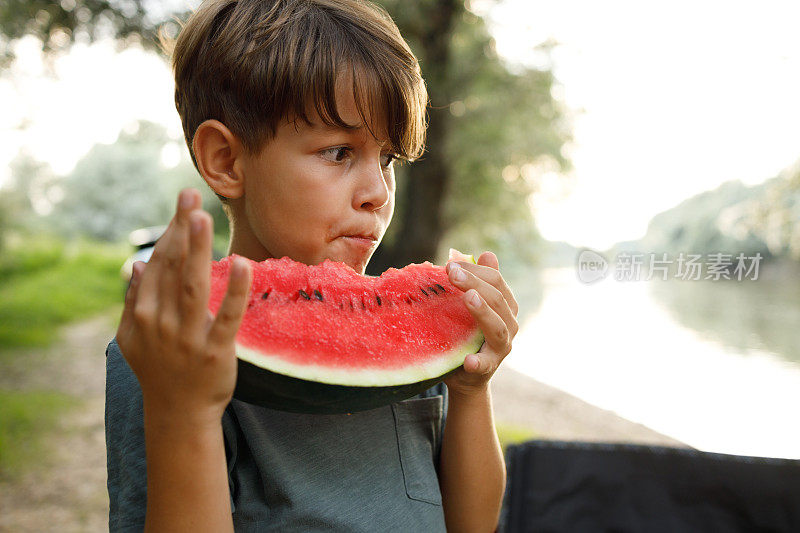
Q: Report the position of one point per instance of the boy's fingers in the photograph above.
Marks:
(476, 364)
(230, 313)
(490, 275)
(490, 295)
(489, 259)
(147, 299)
(495, 331)
(125, 322)
(196, 274)
(176, 249)
(146, 293)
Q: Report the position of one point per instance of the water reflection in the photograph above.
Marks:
(761, 314)
(714, 366)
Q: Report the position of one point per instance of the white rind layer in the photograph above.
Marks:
(373, 377)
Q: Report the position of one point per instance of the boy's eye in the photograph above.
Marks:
(338, 153)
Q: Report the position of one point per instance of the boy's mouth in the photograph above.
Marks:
(370, 234)
(364, 242)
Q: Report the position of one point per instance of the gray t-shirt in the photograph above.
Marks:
(368, 471)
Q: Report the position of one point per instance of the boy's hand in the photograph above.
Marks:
(183, 357)
(496, 314)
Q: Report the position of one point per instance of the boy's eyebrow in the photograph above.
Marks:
(326, 127)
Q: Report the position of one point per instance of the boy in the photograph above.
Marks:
(294, 112)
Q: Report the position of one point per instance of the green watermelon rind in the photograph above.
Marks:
(261, 387)
(366, 377)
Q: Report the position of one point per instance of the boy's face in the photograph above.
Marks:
(312, 189)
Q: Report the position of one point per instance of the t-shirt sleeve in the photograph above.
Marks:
(231, 436)
(125, 453)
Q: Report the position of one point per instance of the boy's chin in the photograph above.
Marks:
(354, 256)
(359, 265)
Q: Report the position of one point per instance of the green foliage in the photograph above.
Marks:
(36, 255)
(502, 122)
(58, 24)
(29, 180)
(44, 285)
(774, 216)
(11, 202)
(26, 419)
(700, 224)
(120, 187)
(499, 117)
(115, 188)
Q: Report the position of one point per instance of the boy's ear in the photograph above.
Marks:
(216, 150)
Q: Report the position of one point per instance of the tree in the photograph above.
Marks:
(116, 188)
(15, 205)
(59, 24)
(774, 215)
(455, 193)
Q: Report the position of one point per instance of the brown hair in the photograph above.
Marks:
(250, 63)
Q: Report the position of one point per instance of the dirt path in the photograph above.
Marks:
(67, 493)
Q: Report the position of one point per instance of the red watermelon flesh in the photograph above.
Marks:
(329, 324)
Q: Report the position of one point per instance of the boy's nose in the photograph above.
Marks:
(375, 186)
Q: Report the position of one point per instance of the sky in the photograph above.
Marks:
(677, 98)
(667, 100)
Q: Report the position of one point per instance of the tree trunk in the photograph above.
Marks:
(428, 177)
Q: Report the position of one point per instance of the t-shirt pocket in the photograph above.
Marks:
(418, 423)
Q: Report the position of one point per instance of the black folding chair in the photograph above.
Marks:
(561, 486)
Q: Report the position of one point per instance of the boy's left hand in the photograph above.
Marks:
(496, 314)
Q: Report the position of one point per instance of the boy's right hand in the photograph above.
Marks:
(183, 357)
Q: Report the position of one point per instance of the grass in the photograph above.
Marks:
(46, 284)
(33, 256)
(26, 420)
(513, 434)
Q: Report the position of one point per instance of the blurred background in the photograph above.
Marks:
(555, 127)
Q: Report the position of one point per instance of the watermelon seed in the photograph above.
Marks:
(341, 306)
(318, 295)
(423, 291)
(265, 295)
(408, 300)
(441, 288)
(378, 298)
(432, 289)
(304, 295)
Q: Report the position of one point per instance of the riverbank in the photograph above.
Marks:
(553, 414)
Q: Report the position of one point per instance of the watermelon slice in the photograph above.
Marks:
(326, 339)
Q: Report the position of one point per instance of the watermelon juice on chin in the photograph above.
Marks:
(326, 339)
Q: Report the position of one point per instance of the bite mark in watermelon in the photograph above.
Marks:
(323, 338)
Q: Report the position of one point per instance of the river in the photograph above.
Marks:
(715, 364)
